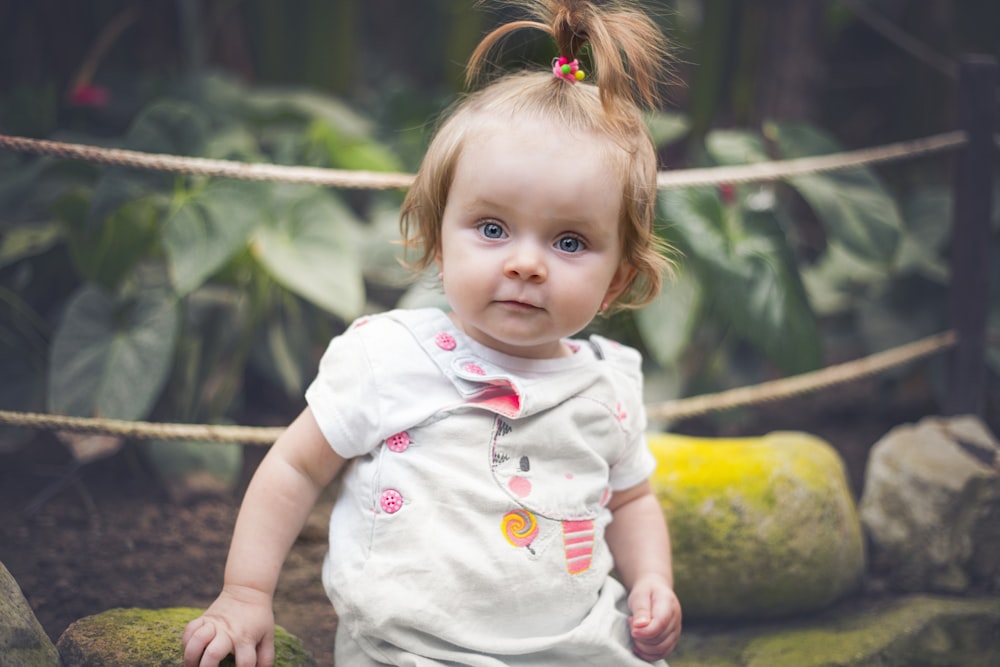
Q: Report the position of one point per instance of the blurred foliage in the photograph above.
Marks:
(135, 294)
(173, 287)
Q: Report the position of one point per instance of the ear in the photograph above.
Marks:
(620, 282)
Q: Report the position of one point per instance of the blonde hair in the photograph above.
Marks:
(627, 51)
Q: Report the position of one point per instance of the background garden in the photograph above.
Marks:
(143, 295)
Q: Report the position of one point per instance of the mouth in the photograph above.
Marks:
(519, 305)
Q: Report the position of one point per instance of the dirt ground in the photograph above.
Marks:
(111, 537)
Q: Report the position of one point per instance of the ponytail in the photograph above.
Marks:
(627, 49)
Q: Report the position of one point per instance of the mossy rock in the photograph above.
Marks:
(152, 638)
(912, 631)
(761, 527)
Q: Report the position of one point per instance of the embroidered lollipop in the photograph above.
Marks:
(519, 527)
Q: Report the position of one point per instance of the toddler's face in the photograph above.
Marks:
(530, 246)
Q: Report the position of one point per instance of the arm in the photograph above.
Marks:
(277, 502)
(640, 543)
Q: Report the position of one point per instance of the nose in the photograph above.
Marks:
(526, 262)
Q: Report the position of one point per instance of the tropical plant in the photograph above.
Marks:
(136, 294)
(751, 274)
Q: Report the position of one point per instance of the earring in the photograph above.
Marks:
(440, 275)
(604, 306)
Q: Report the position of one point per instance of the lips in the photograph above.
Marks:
(519, 305)
(518, 302)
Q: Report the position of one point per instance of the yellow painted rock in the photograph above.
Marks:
(761, 527)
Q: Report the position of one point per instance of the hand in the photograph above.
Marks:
(240, 622)
(656, 618)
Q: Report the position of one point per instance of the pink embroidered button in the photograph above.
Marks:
(391, 501)
(398, 442)
(445, 341)
(474, 369)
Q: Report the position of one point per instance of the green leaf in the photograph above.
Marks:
(106, 253)
(666, 323)
(348, 151)
(308, 243)
(382, 256)
(110, 357)
(747, 274)
(735, 147)
(208, 227)
(425, 292)
(834, 282)
(282, 352)
(308, 105)
(666, 128)
(170, 127)
(211, 353)
(928, 216)
(28, 240)
(853, 205)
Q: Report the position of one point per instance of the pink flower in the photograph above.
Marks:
(728, 193)
(89, 95)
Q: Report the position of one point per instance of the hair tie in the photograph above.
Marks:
(564, 68)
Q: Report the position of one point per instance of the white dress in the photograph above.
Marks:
(470, 525)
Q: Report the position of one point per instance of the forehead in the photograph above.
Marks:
(542, 164)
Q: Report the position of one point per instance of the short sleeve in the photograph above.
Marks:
(344, 397)
(634, 467)
(637, 463)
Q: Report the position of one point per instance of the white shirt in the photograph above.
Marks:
(470, 525)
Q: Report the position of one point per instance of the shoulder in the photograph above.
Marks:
(395, 327)
(621, 358)
(374, 344)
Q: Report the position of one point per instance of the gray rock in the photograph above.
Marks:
(23, 642)
(151, 638)
(931, 507)
(911, 631)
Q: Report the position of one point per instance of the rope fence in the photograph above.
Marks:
(670, 410)
(799, 385)
(370, 180)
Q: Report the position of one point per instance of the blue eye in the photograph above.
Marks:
(491, 230)
(570, 244)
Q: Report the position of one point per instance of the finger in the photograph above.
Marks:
(196, 642)
(653, 627)
(191, 628)
(218, 650)
(246, 656)
(640, 605)
(657, 648)
(265, 652)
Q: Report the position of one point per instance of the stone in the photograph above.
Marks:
(152, 638)
(760, 527)
(931, 507)
(915, 630)
(23, 642)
